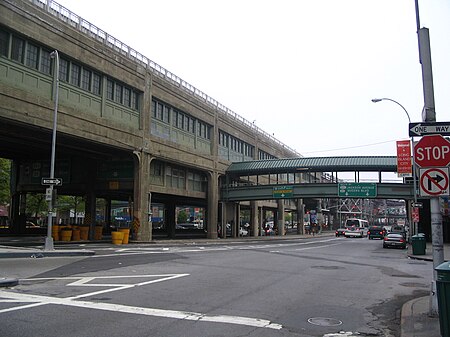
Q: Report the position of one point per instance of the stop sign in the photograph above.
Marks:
(432, 151)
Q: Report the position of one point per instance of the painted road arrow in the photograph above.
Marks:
(423, 129)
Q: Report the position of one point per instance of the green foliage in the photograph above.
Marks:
(36, 205)
(182, 217)
(5, 172)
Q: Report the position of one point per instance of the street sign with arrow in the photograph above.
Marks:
(51, 181)
(423, 129)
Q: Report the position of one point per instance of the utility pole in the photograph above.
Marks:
(429, 115)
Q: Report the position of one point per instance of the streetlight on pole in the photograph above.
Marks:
(376, 100)
(49, 239)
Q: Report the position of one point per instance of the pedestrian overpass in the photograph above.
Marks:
(316, 177)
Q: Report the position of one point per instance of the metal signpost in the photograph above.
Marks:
(432, 154)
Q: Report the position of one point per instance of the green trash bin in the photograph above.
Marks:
(443, 297)
(419, 244)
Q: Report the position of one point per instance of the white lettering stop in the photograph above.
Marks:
(432, 152)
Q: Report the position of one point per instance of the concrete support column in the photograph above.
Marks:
(262, 221)
(254, 218)
(280, 217)
(238, 219)
(170, 217)
(90, 212)
(142, 225)
(300, 216)
(213, 199)
(229, 211)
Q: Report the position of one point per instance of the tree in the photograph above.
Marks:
(182, 217)
(5, 173)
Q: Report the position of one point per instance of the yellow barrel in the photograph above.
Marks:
(117, 238)
(126, 234)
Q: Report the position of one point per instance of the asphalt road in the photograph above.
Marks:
(309, 287)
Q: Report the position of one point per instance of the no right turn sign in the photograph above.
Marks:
(434, 182)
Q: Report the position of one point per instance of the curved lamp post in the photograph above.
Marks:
(376, 100)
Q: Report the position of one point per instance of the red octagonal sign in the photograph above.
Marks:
(432, 151)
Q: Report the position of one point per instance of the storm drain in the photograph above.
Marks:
(324, 321)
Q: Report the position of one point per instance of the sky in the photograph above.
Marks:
(304, 71)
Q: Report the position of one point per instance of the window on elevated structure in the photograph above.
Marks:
(32, 58)
(96, 84)
(118, 93)
(46, 62)
(109, 89)
(126, 96)
(203, 130)
(175, 177)
(86, 79)
(236, 145)
(17, 49)
(196, 181)
(63, 70)
(75, 75)
(262, 155)
(4, 42)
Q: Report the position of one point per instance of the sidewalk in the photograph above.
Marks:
(415, 318)
(415, 321)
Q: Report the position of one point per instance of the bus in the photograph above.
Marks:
(356, 228)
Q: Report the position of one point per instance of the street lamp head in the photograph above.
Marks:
(376, 100)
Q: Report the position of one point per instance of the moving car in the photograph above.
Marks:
(394, 240)
(356, 228)
(377, 232)
(340, 232)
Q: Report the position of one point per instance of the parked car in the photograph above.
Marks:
(376, 232)
(399, 230)
(394, 240)
(340, 232)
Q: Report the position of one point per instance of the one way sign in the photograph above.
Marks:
(435, 128)
(434, 182)
(51, 181)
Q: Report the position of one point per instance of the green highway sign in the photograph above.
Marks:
(357, 190)
(282, 192)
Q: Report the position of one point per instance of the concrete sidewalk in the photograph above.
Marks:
(415, 315)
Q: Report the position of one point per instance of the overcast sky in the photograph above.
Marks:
(303, 70)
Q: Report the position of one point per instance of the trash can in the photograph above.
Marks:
(419, 244)
(443, 297)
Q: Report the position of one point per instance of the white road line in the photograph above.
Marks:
(182, 315)
(305, 248)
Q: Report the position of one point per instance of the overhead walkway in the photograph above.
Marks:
(294, 178)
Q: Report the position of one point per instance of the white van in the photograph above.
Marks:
(356, 228)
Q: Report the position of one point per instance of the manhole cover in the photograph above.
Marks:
(324, 321)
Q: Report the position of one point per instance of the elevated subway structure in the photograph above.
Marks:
(129, 130)
(308, 181)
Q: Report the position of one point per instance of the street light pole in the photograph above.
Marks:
(376, 100)
(49, 239)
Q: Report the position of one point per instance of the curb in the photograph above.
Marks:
(39, 254)
(8, 282)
